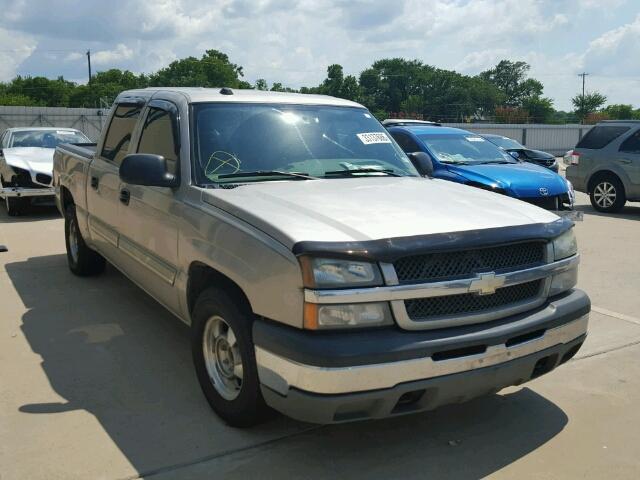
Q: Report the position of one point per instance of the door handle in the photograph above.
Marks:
(125, 196)
(94, 183)
(624, 160)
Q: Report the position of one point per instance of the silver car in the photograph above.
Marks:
(606, 164)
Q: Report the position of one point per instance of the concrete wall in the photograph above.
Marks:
(555, 139)
(87, 120)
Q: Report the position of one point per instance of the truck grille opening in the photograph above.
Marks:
(451, 265)
(422, 309)
(44, 179)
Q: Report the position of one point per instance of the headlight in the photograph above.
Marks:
(565, 245)
(324, 316)
(563, 281)
(571, 192)
(336, 273)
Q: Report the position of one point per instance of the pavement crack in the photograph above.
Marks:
(215, 456)
(612, 349)
(619, 316)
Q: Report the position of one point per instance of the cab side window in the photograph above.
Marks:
(631, 144)
(407, 144)
(158, 137)
(116, 143)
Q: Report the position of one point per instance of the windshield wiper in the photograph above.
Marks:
(354, 171)
(497, 162)
(268, 173)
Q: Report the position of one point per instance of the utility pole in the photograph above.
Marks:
(583, 75)
(89, 64)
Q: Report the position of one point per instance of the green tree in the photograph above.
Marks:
(261, 84)
(587, 103)
(540, 109)
(212, 70)
(511, 79)
(17, 100)
(337, 85)
(620, 112)
(43, 91)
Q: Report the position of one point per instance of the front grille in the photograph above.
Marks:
(544, 162)
(454, 265)
(555, 202)
(422, 309)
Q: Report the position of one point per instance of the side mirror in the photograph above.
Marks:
(148, 170)
(422, 162)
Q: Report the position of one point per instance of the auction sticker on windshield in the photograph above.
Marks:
(373, 137)
(475, 139)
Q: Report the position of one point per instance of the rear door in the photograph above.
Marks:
(629, 159)
(103, 184)
(148, 223)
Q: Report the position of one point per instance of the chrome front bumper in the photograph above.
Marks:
(281, 374)
(396, 294)
(27, 192)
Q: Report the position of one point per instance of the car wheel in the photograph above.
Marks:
(16, 206)
(224, 358)
(607, 194)
(82, 260)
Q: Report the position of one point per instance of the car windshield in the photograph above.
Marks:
(46, 138)
(465, 148)
(236, 142)
(505, 142)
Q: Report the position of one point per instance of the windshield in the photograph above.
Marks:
(505, 142)
(312, 140)
(46, 138)
(465, 148)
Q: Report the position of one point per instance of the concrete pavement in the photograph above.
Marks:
(96, 382)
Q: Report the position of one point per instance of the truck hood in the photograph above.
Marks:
(522, 180)
(32, 159)
(372, 208)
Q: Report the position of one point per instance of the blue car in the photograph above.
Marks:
(465, 157)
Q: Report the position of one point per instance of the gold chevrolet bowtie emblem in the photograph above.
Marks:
(486, 283)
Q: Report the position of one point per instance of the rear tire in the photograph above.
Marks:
(607, 194)
(224, 358)
(82, 260)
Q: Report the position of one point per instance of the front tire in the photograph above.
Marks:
(224, 358)
(82, 260)
(607, 194)
(16, 206)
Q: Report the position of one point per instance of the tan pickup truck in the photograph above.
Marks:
(323, 273)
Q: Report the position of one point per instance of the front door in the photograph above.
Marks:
(148, 223)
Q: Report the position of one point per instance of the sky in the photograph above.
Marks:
(293, 42)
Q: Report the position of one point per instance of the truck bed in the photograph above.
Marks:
(85, 150)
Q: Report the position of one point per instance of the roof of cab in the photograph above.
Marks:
(200, 94)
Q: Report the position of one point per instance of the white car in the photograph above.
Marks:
(26, 163)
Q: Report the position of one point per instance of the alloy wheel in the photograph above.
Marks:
(605, 194)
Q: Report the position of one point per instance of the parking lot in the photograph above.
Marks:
(96, 381)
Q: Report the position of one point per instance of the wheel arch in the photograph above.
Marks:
(66, 198)
(201, 276)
